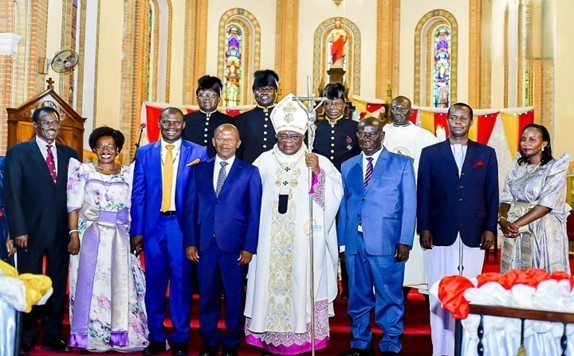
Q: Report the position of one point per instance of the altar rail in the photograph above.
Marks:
(522, 314)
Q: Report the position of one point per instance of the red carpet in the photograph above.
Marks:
(416, 339)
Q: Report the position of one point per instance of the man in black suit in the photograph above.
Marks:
(257, 132)
(35, 198)
(200, 125)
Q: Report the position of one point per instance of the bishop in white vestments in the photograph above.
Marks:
(278, 306)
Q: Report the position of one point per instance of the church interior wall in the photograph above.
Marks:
(102, 86)
(363, 13)
(109, 66)
(411, 12)
(564, 80)
(264, 12)
(177, 52)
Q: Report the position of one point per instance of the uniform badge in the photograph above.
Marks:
(349, 143)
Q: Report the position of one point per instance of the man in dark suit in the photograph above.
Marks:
(161, 175)
(457, 212)
(221, 226)
(255, 125)
(199, 126)
(35, 197)
(377, 235)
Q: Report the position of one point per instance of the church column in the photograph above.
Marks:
(479, 79)
(195, 47)
(388, 28)
(286, 45)
(8, 50)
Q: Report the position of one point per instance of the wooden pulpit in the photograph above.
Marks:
(20, 127)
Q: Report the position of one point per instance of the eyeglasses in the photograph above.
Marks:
(265, 90)
(48, 124)
(366, 135)
(337, 104)
(207, 95)
(109, 146)
(284, 137)
(167, 123)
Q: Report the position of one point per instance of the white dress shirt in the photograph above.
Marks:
(217, 168)
(44, 149)
(175, 155)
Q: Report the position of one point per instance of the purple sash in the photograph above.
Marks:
(86, 272)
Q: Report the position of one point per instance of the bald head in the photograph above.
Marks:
(370, 134)
(226, 141)
(401, 110)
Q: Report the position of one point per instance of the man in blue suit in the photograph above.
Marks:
(457, 211)
(376, 226)
(221, 225)
(161, 175)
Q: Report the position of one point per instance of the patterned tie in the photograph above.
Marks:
(51, 163)
(167, 179)
(369, 172)
(221, 178)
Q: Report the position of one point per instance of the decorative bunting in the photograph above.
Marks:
(485, 125)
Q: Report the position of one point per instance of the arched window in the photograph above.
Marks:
(441, 67)
(233, 71)
(324, 53)
(238, 55)
(436, 53)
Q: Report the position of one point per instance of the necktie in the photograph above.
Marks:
(51, 163)
(221, 178)
(167, 179)
(369, 172)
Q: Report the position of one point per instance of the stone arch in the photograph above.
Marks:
(423, 51)
(252, 53)
(353, 79)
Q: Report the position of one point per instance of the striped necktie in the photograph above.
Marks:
(369, 172)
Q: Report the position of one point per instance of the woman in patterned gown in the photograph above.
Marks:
(533, 207)
(107, 284)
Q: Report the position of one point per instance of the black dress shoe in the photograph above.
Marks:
(154, 348)
(359, 352)
(56, 346)
(26, 347)
(229, 351)
(179, 349)
(209, 351)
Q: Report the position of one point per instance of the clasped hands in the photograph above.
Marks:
(509, 229)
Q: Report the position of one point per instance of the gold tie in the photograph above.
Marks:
(167, 179)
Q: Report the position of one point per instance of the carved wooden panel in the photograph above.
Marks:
(20, 127)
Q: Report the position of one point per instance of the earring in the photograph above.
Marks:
(542, 149)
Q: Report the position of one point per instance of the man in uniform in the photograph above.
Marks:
(200, 125)
(336, 139)
(257, 132)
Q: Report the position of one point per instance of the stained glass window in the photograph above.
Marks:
(233, 71)
(441, 67)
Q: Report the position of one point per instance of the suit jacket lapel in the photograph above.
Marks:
(356, 174)
(179, 189)
(235, 169)
(449, 157)
(38, 159)
(469, 158)
(62, 165)
(379, 167)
